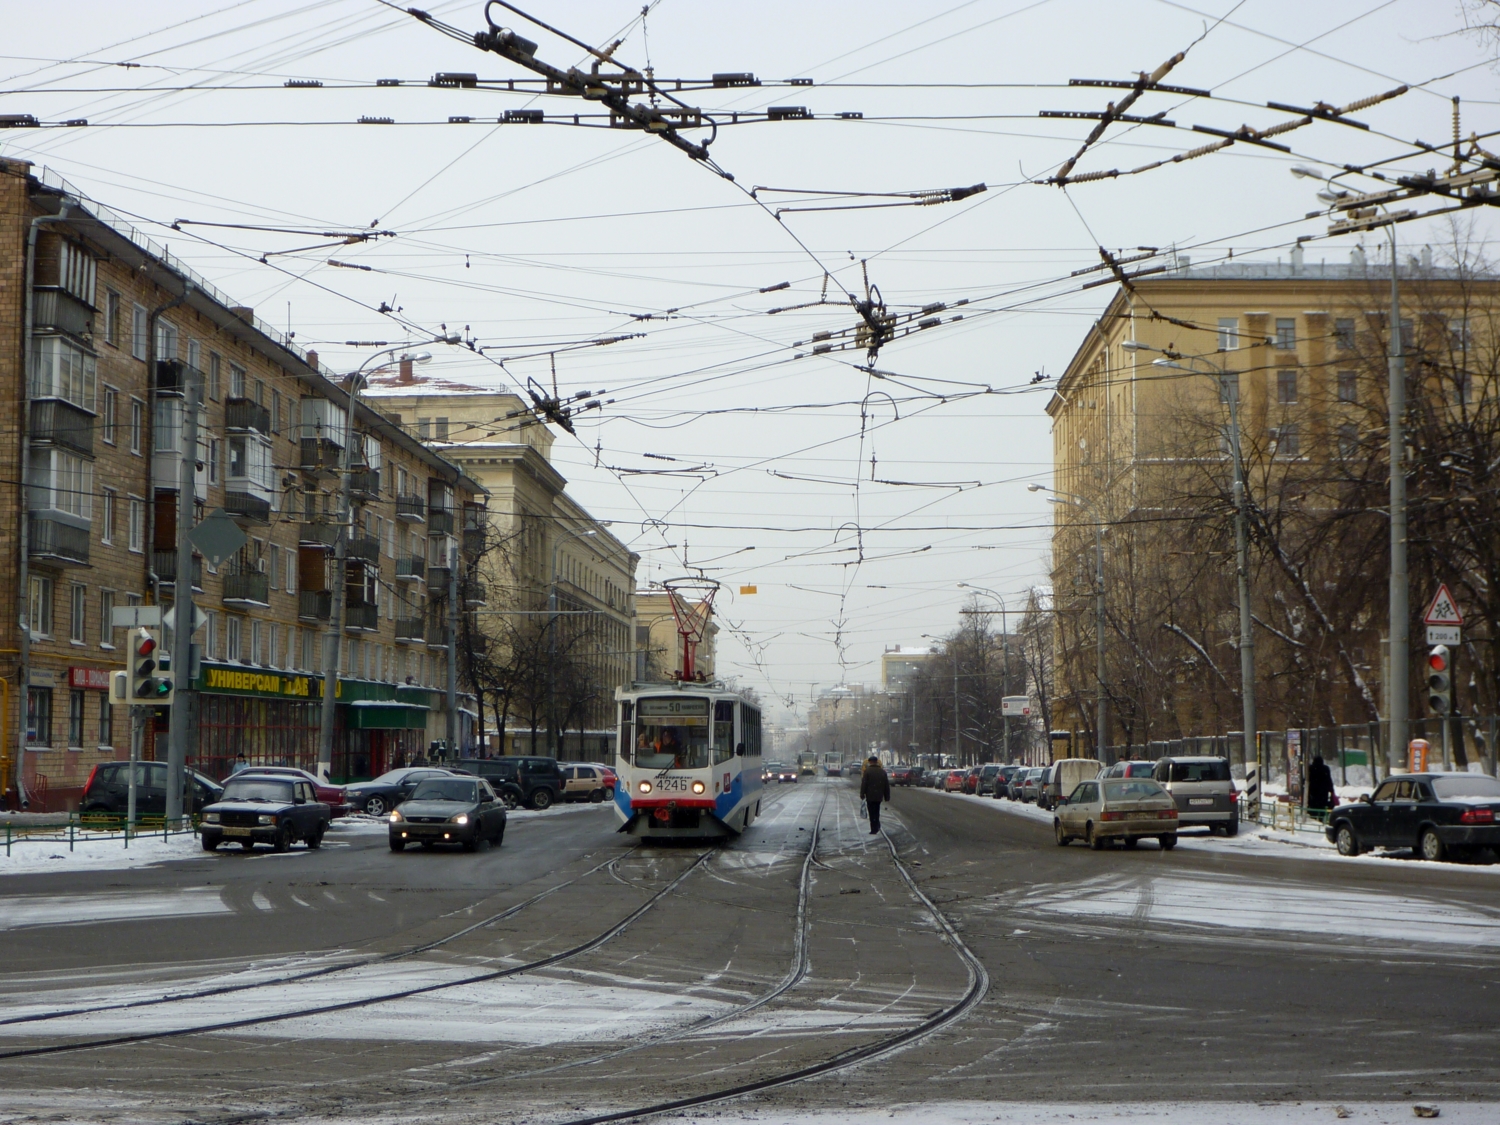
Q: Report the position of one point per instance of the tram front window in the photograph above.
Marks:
(672, 734)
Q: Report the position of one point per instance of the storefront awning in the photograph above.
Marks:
(380, 715)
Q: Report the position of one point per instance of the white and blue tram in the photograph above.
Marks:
(689, 761)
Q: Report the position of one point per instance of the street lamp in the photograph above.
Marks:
(1249, 741)
(1398, 688)
(1005, 648)
(1101, 715)
(552, 637)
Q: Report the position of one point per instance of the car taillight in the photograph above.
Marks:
(1111, 815)
(89, 784)
(1234, 794)
(1167, 814)
(1477, 816)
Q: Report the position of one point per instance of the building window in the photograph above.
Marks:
(137, 425)
(1460, 339)
(1229, 333)
(137, 525)
(138, 332)
(1286, 333)
(195, 355)
(61, 481)
(106, 616)
(215, 375)
(211, 636)
(1348, 386)
(38, 716)
(274, 567)
(1408, 334)
(76, 703)
(215, 454)
(60, 369)
(232, 637)
(1348, 440)
(40, 604)
(109, 415)
(112, 318)
(78, 271)
(236, 381)
(166, 340)
(1343, 333)
(275, 658)
(1286, 442)
(107, 520)
(78, 614)
(276, 412)
(106, 722)
(257, 635)
(1286, 386)
(440, 429)
(307, 649)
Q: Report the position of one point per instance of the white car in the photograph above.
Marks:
(1125, 808)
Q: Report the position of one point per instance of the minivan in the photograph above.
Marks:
(1061, 777)
(1204, 792)
(107, 791)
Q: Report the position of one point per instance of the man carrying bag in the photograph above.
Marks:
(874, 787)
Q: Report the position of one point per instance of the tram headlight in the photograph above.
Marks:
(699, 787)
(644, 787)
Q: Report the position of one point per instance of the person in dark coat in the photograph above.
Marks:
(874, 787)
(1319, 786)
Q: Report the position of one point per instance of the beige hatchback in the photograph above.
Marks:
(1124, 808)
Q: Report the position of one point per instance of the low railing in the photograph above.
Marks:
(60, 542)
(362, 618)
(247, 589)
(410, 629)
(412, 508)
(315, 605)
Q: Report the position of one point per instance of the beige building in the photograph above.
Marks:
(114, 330)
(899, 664)
(539, 542)
(659, 644)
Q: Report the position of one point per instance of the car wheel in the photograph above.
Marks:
(397, 844)
(510, 800)
(315, 841)
(1430, 846)
(472, 843)
(283, 840)
(499, 836)
(1233, 827)
(1132, 841)
(247, 845)
(1093, 841)
(377, 806)
(596, 797)
(210, 843)
(1167, 842)
(1058, 833)
(541, 800)
(1346, 841)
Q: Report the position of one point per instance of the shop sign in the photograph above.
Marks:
(93, 679)
(263, 684)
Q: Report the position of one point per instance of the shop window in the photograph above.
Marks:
(106, 722)
(76, 703)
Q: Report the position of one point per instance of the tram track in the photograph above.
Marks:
(342, 1006)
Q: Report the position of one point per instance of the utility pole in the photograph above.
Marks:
(182, 594)
(334, 642)
(1101, 737)
(1398, 694)
(1251, 741)
(452, 729)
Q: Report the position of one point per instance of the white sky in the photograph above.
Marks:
(534, 237)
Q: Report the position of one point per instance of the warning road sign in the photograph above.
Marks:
(1443, 609)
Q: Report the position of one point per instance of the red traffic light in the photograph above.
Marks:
(1437, 659)
(147, 646)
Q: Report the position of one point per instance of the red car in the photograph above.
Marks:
(971, 780)
(954, 781)
(331, 795)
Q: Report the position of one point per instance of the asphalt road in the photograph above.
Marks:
(1114, 977)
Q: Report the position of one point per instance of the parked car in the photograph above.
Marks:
(953, 781)
(1001, 785)
(449, 810)
(1204, 792)
(1031, 784)
(987, 775)
(521, 779)
(971, 779)
(265, 810)
(331, 795)
(1062, 777)
(585, 783)
(905, 775)
(380, 796)
(1124, 809)
(611, 779)
(107, 790)
(1130, 769)
(1437, 815)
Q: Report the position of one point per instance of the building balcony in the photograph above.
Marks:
(247, 590)
(412, 569)
(319, 533)
(365, 484)
(245, 414)
(53, 541)
(165, 565)
(440, 521)
(476, 643)
(364, 549)
(172, 376)
(412, 509)
(437, 636)
(474, 542)
(60, 311)
(315, 605)
(55, 421)
(410, 630)
(361, 618)
(246, 507)
(321, 457)
(438, 578)
(475, 594)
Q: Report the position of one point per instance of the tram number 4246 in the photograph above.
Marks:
(670, 784)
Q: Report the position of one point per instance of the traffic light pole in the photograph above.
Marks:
(182, 598)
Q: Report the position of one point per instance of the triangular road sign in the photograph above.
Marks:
(1443, 610)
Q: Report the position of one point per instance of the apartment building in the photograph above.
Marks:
(545, 552)
(105, 332)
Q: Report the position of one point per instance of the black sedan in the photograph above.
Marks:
(380, 796)
(265, 810)
(449, 810)
(1436, 814)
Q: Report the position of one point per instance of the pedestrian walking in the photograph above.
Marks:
(874, 787)
(1319, 787)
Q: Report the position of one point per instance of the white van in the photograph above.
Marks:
(1060, 778)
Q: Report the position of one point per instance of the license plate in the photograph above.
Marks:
(1143, 816)
(671, 784)
(236, 831)
(1200, 800)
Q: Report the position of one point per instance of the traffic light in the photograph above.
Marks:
(1439, 680)
(150, 678)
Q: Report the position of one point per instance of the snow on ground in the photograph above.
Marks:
(1079, 1113)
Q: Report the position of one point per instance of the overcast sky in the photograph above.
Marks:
(855, 504)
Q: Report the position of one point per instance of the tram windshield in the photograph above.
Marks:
(681, 734)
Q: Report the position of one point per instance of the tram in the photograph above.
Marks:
(689, 750)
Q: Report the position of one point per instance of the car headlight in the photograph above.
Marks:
(396, 817)
(211, 818)
(644, 787)
(698, 787)
(461, 818)
(265, 819)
